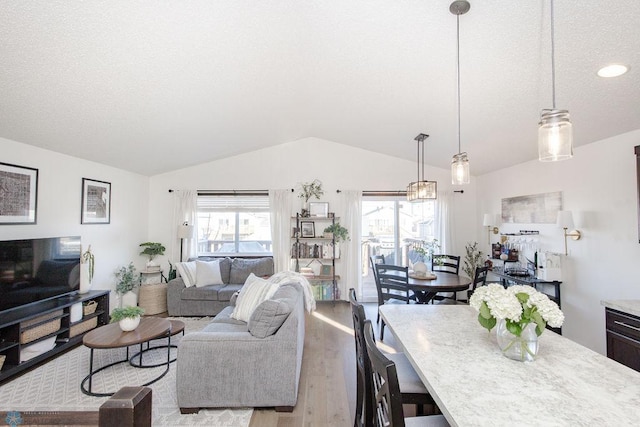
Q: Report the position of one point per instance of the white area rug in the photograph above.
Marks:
(55, 386)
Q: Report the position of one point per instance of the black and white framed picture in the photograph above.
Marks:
(18, 194)
(307, 229)
(96, 202)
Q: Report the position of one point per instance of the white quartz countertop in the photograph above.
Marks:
(475, 385)
(630, 306)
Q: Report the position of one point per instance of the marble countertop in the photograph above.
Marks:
(630, 306)
(474, 384)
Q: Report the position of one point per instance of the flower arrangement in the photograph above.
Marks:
(311, 189)
(472, 259)
(426, 249)
(518, 305)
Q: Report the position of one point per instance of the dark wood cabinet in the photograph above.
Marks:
(52, 321)
(623, 338)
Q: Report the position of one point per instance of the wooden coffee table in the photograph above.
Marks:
(111, 336)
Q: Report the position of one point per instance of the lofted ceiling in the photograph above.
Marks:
(151, 86)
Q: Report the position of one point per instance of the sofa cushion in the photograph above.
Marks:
(225, 327)
(225, 293)
(187, 271)
(268, 317)
(208, 293)
(254, 291)
(242, 268)
(225, 317)
(208, 273)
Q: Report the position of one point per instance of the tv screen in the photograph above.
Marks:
(36, 269)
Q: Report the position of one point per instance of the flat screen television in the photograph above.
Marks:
(33, 270)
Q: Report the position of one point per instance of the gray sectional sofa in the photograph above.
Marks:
(209, 300)
(231, 363)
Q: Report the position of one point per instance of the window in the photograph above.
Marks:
(231, 224)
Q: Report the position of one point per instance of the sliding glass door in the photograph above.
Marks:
(389, 225)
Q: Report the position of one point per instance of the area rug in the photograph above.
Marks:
(55, 386)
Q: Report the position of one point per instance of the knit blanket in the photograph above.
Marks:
(291, 276)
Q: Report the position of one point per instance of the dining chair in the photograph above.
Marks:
(385, 396)
(376, 259)
(412, 390)
(392, 284)
(479, 279)
(445, 263)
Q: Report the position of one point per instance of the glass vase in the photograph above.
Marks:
(523, 348)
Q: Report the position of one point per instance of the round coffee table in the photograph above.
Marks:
(111, 336)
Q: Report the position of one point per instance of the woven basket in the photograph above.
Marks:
(81, 327)
(43, 327)
(89, 307)
(153, 298)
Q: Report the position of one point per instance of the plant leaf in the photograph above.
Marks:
(487, 323)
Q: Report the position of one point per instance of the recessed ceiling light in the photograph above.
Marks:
(613, 70)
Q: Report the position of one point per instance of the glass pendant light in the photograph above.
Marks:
(555, 131)
(460, 161)
(421, 189)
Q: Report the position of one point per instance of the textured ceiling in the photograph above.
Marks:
(152, 86)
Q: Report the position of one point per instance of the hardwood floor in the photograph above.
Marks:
(326, 395)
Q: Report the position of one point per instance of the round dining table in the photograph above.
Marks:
(426, 289)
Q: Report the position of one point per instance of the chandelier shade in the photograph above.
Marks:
(421, 189)
(460, 169)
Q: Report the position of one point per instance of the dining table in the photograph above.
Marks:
(425, 288)
(473, 384)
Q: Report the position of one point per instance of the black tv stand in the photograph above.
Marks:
(15, 322)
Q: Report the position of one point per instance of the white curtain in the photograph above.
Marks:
(185, 209)
(351, 207)
(280, 208)
(443, 222)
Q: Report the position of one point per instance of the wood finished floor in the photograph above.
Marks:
(327, 391)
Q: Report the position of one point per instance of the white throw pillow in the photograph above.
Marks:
(254, 291)
(208, 273)
(187, 271)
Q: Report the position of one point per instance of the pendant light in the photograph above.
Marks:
(460, 161)
(421, 189)
(555, 132)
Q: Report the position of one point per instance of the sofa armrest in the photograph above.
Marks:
(174, 291)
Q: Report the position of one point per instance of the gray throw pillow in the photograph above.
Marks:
(242, 268)
(267, 318)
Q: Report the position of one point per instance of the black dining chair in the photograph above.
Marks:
(479, 279)
(449, 264)
(412, 390)
(376, 259)
(385, 396)
(392, 284)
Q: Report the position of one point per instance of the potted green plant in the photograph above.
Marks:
(309, 190)
(126, 281)
(152, 249)
(339, 233)
(425, 249)
(472, 259)
(128, 318)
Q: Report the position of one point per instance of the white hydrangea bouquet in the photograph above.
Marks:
(518, 305)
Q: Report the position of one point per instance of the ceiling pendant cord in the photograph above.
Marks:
(460, 173)
(553, 59)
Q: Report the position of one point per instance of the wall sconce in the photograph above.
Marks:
(565, 221)
(488, 222)
(185, 231)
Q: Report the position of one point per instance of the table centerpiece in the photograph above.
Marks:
(521, 314)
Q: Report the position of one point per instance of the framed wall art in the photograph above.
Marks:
(532, 209)
(307, 229)
(18, 194)
(96, 202)
(319, 209)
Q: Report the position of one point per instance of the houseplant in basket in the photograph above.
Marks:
(127, 281)
(128, 318)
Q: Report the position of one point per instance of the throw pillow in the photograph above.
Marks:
(254, 291)
(187, 271)
(208, 273)
(268, 317)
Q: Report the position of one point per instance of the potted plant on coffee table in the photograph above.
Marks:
(127, 281)
(128, 318)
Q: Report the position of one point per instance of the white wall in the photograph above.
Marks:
(285, 166)
(599, 186)
(58, 211)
